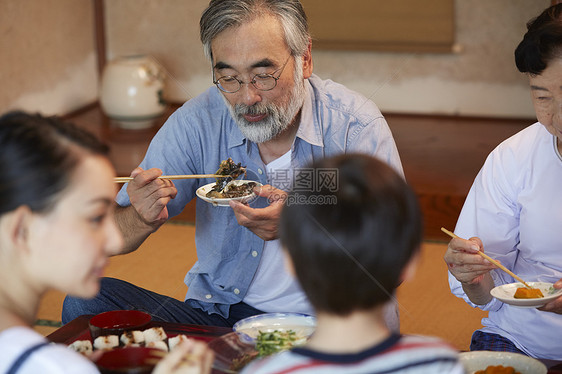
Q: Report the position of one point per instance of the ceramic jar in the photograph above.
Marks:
(131, 91)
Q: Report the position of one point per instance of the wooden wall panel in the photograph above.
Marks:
(405, 25)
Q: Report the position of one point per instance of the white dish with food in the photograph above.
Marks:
(505, 293)
(204, 190)
(480, 360)
(302, 324)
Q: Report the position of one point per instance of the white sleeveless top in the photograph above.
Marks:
(49, 359)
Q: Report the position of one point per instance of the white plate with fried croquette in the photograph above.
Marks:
(505, 293)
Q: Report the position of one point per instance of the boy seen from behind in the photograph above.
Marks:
(350, 244)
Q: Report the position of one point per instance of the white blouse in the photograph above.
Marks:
(515, 208)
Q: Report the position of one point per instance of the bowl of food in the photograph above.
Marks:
(237, 190)
(227, 187)
(480, 361)
(260, 336)
(116, 322)
(130, 360)
(301, 325)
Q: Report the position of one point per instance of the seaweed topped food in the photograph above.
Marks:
(233, 190)
(223, 188)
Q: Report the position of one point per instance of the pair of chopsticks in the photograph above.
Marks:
(453, 235)
(158, 355)
(171, 177)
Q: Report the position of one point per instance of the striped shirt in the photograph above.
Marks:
(397, 354)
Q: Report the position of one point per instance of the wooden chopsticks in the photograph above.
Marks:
(453, 235)
(172, 177)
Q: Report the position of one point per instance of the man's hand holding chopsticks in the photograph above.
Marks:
(150, 195)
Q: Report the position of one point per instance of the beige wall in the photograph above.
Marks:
(48, 59)
(481, 79)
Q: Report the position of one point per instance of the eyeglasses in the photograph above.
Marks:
(262, 82)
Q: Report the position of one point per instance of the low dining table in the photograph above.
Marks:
(78, 329)
(554, 367)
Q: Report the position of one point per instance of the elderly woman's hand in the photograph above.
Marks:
(464, 262)
(471, 269)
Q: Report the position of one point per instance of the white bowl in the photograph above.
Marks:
(302, 324)
(480, 360)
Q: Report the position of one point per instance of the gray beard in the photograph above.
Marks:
(278, 119)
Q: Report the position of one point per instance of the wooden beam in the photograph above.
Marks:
(99, 32)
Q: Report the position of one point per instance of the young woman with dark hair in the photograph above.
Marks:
(56, 232)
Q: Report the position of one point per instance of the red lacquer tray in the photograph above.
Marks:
(78, 330)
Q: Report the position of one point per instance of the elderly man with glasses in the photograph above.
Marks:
(269, 112)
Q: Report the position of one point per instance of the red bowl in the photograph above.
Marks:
(130, 360)
(117, 322)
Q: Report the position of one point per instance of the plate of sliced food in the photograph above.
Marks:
(153, 337)
(127, 340)
(517, 294)
(484, 362)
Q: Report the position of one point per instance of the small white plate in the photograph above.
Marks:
(202, 192)
(480, 360)
(505, 294)
(302, 324)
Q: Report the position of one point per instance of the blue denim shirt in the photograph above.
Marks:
(202, 133)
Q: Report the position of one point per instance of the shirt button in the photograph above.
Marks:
(260, 171)
(254, 253)
(236, 291)
(208, 296)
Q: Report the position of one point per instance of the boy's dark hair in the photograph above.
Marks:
(349, 255)
(541, 43)
(37, 157)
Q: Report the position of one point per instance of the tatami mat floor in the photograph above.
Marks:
(426, 304)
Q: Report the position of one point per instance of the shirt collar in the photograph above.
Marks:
(236, 137)
(309, 130)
